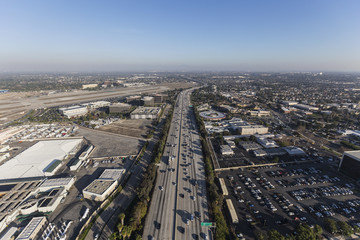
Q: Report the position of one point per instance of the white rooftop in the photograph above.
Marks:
(30, 228)
(55, 182)
(353, 154)
(112, 174)
(35, 160)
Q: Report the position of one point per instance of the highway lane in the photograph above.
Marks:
(179, 203)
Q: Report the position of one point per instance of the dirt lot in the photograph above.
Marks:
(134, 128)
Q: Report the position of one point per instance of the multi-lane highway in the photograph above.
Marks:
(179, 204)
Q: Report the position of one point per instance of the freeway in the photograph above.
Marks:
(179, 203)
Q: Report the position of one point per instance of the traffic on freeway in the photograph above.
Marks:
(179, 203)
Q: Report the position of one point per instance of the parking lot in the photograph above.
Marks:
(280, 197)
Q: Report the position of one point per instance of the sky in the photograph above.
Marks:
(134, 35)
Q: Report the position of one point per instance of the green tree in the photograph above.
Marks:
(344, 228)
(305, 232)
(330, 225)
(318, 230)
(274, 235)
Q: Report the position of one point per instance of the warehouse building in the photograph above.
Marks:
(119, 107)
(350, 164)
(102, 187)
(42, 159)
(145, 113)
(32, 230)
(248, 146)
(51, 183)
(99, 189)
(226, 150)
(74, 111)
(89, 86)
(253, 129)
(112, 174)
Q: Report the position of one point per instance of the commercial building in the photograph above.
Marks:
(289, 103)
(87, 86)
(145, 113)
(112, 174)
(148, 101)
(96, 105)
(212, 115)
(248, 146)
(52, 183)
(119, 107)
(32, 230)
(99, 189)
(73, 111)
(266, 142)
(226, 150)
(132, 99)
(102, 187)
(306, 107)
(260, 113)
(253, 129)
(158, 98)
(294, 151)
(350, 164)
(41, 159)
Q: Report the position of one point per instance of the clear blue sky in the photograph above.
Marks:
(151, 35)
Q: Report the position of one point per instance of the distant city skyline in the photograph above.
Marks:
(123, 36)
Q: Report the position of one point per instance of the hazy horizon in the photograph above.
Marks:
(186, 36)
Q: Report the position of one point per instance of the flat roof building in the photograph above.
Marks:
(145, 113)
(226, 150)
(350, 164)
(248, 146)
(33, 228)
(51, 183)
(253, 129)
(119, 107)
(99, 189)
(112, 174)
(41, 159)
(74, 111)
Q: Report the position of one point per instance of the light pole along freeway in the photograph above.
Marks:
(179, 202)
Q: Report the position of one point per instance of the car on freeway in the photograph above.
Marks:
(161, 188)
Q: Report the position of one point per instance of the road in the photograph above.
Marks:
(108, 219)
(179, 204)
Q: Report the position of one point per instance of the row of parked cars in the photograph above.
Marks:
(303, 181)
(313, 193)
(293, 172)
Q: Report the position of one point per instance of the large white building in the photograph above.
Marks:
(253, 129)
(41, 159)
(74, 111)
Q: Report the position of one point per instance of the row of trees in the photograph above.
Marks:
(340, 227)
(216, 200)
(130, 223)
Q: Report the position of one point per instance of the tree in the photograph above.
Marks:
(305, 232)
(345, 228)
(318, 230)
(330, 225)
(274, 235)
